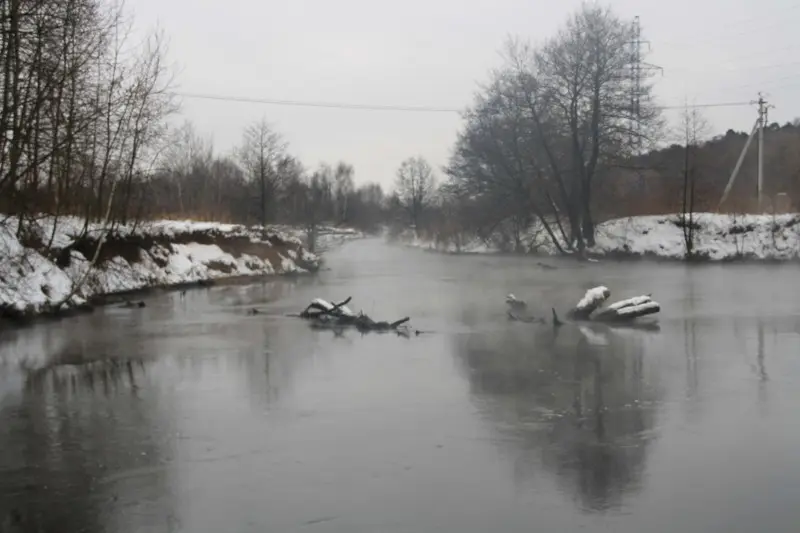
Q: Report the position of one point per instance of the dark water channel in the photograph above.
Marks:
(190, 415)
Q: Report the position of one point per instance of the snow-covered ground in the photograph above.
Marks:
(48, 267)
(330, 237)
(717, 237)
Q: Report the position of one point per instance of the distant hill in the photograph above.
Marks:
(653, 183)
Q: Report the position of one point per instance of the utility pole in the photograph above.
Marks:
(763, 109)
(758, 129)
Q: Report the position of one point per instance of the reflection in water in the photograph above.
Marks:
(90, 436)
(193, 415)
(761, 367)
(574, 403)
(693, 403)
(71, 428)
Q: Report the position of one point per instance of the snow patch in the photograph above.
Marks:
(593, 298)
(32, 282)
(717, 237)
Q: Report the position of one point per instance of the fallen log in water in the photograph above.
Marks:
(319, 307)
(629, 309)
(589, 308)
(324, 314)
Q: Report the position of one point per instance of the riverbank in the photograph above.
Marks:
(717, 237)
(55, 267)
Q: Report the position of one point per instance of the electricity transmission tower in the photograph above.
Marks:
(638, 71)
(758, 127)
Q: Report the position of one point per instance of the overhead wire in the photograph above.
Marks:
(374, 107)
(450, 110)
(307, 103)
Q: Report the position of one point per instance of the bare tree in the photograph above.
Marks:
(693, 127)
(318, 198)
(366, 207)
(147, 103)
(187, 158)
(551, 122)
(343, 189)
(415, 186)
(261, 150)
(582, 82)
(83, 109)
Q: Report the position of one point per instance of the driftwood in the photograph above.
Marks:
(515, 304)
(324, 314)
(629, 309)
(319, 308)
(518, 311)
(589, 308)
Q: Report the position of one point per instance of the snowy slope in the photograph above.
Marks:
(156, 253)
(717, 237)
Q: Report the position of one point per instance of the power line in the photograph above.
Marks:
(735, 67)
(370, 107)
(332, 105)
(766, 83)
(695, 106)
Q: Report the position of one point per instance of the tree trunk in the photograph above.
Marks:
(588, 226)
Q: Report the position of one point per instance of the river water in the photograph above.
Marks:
(192, 415)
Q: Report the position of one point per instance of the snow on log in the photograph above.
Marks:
(515, 303)
(589, 308)
(629, 309)
(319, 308)
(324, 314)
(636, 300)
(324, 304)
(593, 299)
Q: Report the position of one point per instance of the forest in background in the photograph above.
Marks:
(86, 109)
(552, 140)
(562, 138)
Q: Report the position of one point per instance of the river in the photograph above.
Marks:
(192, 415)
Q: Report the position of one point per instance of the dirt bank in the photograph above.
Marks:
(54, 267)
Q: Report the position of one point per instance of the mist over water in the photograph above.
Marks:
(191, 415)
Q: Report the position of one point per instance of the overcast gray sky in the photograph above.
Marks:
(433, 53)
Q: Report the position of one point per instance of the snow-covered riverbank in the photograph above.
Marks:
(717, 238)
(48, 268)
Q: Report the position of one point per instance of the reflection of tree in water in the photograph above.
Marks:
(82, 445)
(102, 404)
(249, 294)
(581, 411)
